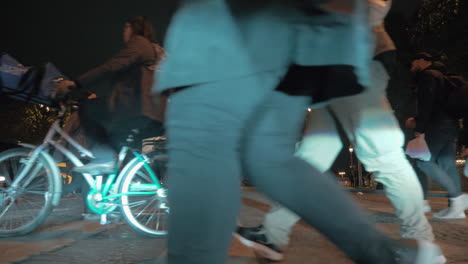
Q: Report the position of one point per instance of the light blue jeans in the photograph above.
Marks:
(440, 138)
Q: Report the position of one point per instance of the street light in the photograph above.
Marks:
(351, 150)
(351, 164)
(460, 161)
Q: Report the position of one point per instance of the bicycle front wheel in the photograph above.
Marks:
(144, 202)
(26, 206)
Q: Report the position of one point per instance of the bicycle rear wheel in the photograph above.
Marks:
(146, 212)
(25, 207)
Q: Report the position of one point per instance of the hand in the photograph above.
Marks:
(410, 123)
(63, 87)
(417, 134)
(92, 96)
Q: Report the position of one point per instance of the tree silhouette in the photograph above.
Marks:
(24, 122)
(442, 26)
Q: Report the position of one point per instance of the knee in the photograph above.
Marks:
(320, 152)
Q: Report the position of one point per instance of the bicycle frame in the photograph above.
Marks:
(96, 185)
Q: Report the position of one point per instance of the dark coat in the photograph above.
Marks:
(431, 92)
(131, 72)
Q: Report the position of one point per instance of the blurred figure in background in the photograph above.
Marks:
(439, 128)
(107, 121)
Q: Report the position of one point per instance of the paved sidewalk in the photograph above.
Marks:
(82, 242)
(309, 246)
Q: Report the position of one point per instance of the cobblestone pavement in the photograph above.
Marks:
(118, 243)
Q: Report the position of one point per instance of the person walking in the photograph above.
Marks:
(439, 129)
(368, 121)
(239, 105)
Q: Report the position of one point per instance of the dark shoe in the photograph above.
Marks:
(97, 168)
(254, 237)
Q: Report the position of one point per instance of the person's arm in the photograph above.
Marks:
(427, 85)
(126, 57)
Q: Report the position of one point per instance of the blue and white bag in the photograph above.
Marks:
(30, 84)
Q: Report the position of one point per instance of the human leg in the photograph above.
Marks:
(446, 161)
(437, 143)
(370, 125)
(319, 146)
(458, 202)
(204, 125)
(297, 185)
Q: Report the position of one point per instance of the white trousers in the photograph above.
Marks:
(378, 141)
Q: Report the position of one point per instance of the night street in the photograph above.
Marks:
(65, 238)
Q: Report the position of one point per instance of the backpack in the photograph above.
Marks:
(456, 102)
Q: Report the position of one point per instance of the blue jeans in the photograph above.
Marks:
(440, 138)
(220, 130)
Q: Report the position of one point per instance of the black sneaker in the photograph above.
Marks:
(254, 237)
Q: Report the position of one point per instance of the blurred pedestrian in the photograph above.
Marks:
(244, 74)
(368, 121)
(439, 129)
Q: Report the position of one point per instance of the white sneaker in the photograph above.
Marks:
(421, 252)
(445, 214)
(456, 210)
(429, 253)
(427, 207)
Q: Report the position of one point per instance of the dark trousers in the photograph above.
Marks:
(441, 168)
(218, 131)
(105, 129)
(106, 132)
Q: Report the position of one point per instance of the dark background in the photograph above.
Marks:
(74, 35)
(79, 35)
